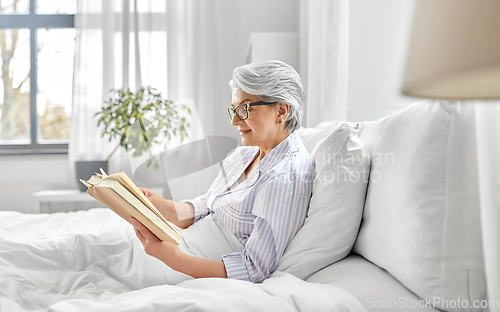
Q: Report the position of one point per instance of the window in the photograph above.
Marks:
(37, 43)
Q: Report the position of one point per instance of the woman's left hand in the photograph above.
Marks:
(164, 251)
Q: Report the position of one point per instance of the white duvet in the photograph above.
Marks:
(92, 261)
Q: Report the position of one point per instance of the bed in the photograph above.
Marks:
(403, 234)
(92, 261)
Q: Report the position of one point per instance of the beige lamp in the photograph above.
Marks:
(454, 52)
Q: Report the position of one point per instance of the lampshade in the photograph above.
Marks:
(454, 50)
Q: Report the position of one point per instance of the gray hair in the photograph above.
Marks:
(273, 81)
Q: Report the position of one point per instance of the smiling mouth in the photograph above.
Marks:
(243, 132)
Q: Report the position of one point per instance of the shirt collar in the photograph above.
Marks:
(289, 145)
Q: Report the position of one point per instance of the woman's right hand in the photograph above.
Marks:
(180, 214)
(163, 205)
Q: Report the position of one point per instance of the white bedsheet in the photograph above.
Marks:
(92, 261)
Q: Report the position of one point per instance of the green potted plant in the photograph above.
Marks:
(138, 120)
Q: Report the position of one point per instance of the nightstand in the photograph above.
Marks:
(43, 200)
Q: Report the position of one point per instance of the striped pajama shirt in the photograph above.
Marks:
(266, 210)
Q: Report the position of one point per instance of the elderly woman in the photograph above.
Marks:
(262, 193)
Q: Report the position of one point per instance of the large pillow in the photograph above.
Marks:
(421, 219)
(339, 190)
(310, 136)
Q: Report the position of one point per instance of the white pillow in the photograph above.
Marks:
(332, 223)
(421, 219)
(312, 135)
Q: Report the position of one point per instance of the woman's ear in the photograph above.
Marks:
(283, 110)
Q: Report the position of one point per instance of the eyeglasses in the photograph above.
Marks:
(242, 110)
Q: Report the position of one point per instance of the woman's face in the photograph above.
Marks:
(262, 128)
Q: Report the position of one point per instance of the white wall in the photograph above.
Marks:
(21, 175)
(236, 21)
(378, 37)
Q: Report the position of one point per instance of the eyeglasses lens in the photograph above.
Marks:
(242, 112)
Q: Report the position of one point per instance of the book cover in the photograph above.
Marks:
(120, 194)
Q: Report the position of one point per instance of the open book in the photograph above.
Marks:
(119, 193)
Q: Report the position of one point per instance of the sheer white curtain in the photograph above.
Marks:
(192, 56)
(324, 59)
(194, 61)
(146, 56)
(107, 59)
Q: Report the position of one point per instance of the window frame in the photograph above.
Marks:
(33, 22)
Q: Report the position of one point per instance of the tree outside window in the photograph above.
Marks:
(37, 42)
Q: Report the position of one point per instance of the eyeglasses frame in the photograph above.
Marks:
(247, 105)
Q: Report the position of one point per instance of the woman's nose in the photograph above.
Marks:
(236, 120)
